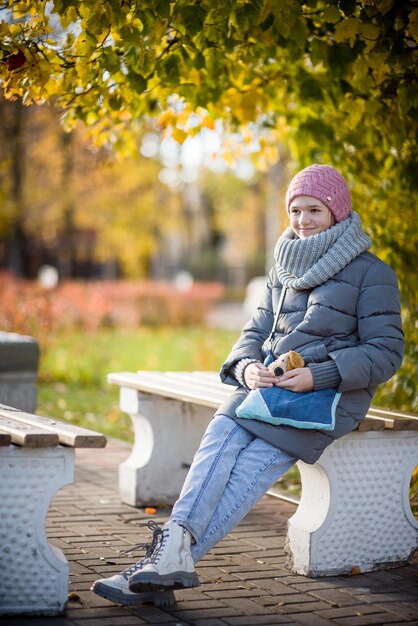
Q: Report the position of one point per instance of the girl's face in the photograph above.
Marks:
(309, 216)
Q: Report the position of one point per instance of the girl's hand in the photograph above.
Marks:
(257, 375)
(299, 379)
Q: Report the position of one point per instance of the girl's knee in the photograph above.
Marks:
(224, 428)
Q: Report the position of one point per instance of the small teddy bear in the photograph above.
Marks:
(287, 361)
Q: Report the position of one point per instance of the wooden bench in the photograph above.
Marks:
(354, 513)
(37, 457)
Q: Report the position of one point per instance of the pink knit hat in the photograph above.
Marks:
(324, 183)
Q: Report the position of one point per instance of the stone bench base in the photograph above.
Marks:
(162, 454)
(354, 514)
(33, 574)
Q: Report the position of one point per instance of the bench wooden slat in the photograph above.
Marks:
(66, 434)
(150, 384)
(396, 423)
(210, 386)
(388, 413)
(187, 381)
(195, 380)
(370, 424)
(5, 439)
(395, 420)
(26, 435)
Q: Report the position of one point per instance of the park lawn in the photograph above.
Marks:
(74, 364)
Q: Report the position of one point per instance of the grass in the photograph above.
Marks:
(74, 366)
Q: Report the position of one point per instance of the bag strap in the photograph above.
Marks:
(276, 315)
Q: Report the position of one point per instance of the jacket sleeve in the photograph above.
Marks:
(381, 342)
(253, 335)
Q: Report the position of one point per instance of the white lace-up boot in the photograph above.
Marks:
(170, 566)
(116, 589)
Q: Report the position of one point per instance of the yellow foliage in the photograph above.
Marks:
(167, 118)
(413, 24)
(179, 135)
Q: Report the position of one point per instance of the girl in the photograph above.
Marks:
(341, 312)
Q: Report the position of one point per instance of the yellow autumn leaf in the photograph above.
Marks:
(82, 69)
(228, 159)
(202, 112)
(208, 122)
(167, 118)
(347, 30)
(179, 135)
(331, 14)
(182, 118)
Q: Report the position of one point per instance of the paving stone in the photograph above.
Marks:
(238, 593)
(400, 609)
(334, 597)
(261, 620)
(124, 620)
(209, 622)
(365, 620)
(401, 596)
(221, 586)
(403, 623)
(194, 614)
(313, 620)
(201, 603)
(256, 574)
(106, 610)
(349, 611)
(153, 615)
(302, 583)
(79, 568)
(294, 606)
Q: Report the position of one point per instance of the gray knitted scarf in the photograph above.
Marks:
(307, 263)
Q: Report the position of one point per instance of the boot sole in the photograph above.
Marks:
(147, 581)
(165, 599)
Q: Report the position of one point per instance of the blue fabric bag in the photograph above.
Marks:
(311, 409)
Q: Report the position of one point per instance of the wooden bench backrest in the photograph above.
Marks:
(206, 389)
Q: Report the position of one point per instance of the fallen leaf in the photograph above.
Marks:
(356, 570)
(150, 510)
(74, 597)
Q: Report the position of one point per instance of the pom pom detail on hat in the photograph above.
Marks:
(326, 184)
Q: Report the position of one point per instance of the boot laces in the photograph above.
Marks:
(156, 554)
(149, 547)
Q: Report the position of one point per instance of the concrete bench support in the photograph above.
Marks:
(155, 471)
(37, 456)
(33, 574)
(354, 514)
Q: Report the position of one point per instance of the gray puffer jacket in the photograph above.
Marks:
(353, 319)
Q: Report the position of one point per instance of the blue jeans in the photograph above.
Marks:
(230, 472)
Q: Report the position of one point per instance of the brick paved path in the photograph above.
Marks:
(244, 579)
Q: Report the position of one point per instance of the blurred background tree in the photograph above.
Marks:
(286, 83)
